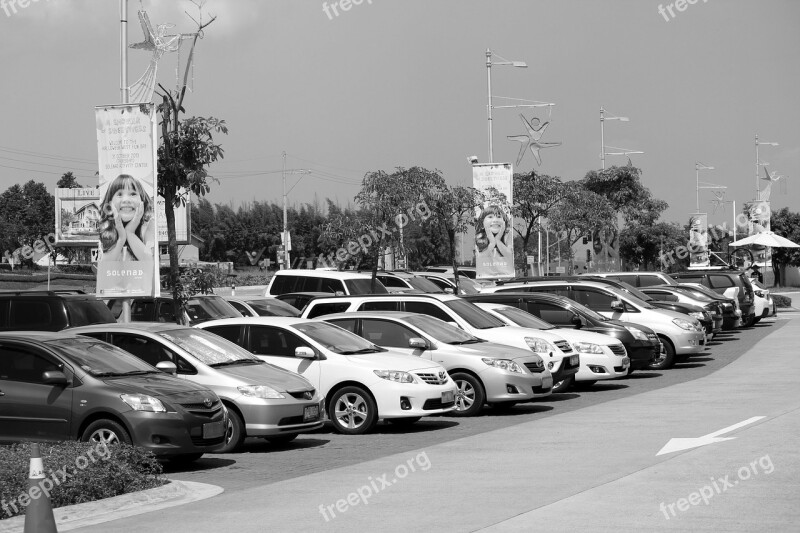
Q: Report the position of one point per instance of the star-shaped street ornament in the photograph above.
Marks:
(531, 139)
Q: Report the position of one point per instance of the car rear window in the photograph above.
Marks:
(87, 312)
(364, 286)
(474, 315)
(30, 314)
(272, 307)
(721, 282)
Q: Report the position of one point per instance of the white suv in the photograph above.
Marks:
(332, 281)
(557, 353)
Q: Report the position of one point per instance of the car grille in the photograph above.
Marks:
(653, 337)
(294, 420)
(201, 409)
(200, 441)
(618, 349)
(535, 368)
(541, 390)
(432, 378)
(303, 394)
(430, 405)
(563, 346)
(573, 361)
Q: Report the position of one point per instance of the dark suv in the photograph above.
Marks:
(721, 280)
(50, 310)
(200, 308)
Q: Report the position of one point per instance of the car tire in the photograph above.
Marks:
(405, 421)
(352, 411)
(750, 321)
(470, 394)
(281, 439)
(106, 431)
(630, 370)
(234, 434)
(185, 459)
(564, 384)
(666, 358)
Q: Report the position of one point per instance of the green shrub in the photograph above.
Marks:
(92, 473)
(782, 301)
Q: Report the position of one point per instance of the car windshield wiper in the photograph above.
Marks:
(238, 362)
(131, 373)
(468, 341)
(363, 350)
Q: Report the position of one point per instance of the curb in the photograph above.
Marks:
(71, 517)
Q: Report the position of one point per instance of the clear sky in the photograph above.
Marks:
(390, 83)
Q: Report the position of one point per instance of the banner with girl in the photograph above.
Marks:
(494, 237)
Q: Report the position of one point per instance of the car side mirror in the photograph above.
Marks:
(304, 352)
(417, 343)
(168, 367)
(54, 377)
(617, 305)
(448, 290)
(577, 322)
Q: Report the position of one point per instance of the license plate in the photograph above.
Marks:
(574, 360)
(213, 430)
(626, 362)
(547, 382)
(310, 412)
(448, 396)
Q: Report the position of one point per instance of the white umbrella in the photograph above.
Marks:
(766, 238)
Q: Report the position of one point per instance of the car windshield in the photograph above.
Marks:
(272, 307)
(424, 285)
(523, 318)
(636, 292)
(87, 312)
(208, 348)
(364, 286)
(467, 285)
(474, 315)
(99, 358)
(694, 289)
(630, 298)
(440, 330)
(697, 296)
(203, 309)
(337, 339)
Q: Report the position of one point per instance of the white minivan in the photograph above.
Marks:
(332, 281)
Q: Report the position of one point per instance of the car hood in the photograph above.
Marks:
(576, 335)
(393, 361)
(488, 349)
(642, 327)
(158, 385)
(504, 335)
(277, 378)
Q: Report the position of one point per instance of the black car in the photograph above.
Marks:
(60, 386)
(720, 281)
(200, 308)
(641, 342)
(712, 309)
(298, 300)
(730, 317)
(50, 310)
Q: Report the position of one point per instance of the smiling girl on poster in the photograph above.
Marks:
(492, 233)
(126, 232)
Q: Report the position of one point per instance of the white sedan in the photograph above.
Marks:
(361, 381)
(602, 357)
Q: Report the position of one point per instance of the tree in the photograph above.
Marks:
(623, 188)
(452, 209)
(535, 195)
(786, 224)
(27, 214)
(580, 212)
(654, 247)
(68, 181)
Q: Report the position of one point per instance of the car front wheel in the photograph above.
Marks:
(234, 434)
(106, 432)
(353, 411)
(666, 358)
(469, 395)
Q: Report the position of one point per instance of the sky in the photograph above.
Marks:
(400, 83)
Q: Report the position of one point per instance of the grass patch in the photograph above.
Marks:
(78, 472)
(781, 301)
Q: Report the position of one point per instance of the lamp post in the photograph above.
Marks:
(603, 152)
(285, 235)
(758, 190)
(489, 63)
(698, 166)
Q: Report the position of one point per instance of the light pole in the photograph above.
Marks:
(603, 153)
(698, 166)
(285, 236)
(489, 63)
(758, 190)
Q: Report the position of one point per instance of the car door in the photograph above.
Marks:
(598, 301)
(152, 352)
(29, 408)
(553, 314)
(277, 346)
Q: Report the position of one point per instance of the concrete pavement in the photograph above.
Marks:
(593, 469)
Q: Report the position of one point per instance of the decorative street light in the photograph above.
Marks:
(757, 160)
(489, 63)
(285, 233)
(698, 166)
(621, 151)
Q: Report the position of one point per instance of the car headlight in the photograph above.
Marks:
(760, 294)
(727, 306)
(260, 391)
(683, 324)
(395, 375)
(698, 315)
(143, 402)
(638, 334)
(504, 364)
(539, 345)
(587, 347)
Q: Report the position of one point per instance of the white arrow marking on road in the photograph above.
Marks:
(676, 445)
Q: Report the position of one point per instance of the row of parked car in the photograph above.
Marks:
(339, 346)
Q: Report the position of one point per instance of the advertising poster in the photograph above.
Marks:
(77, 216)
(698, 241)
(494, 237)
(759, 214)
(127, 228)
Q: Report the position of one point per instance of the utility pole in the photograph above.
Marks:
(285, 238)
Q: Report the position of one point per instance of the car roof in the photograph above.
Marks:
(336, 274)
(268, 320)
(401, 315)
(401, 296)
(152, 327)
(38, 336)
